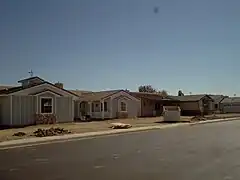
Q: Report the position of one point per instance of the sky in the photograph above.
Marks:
(192, 45)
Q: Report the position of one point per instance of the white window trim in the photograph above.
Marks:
(120, 107)
(41, 104)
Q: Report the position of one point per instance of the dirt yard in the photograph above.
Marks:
(94, 126)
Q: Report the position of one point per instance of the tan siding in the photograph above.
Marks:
(133, 107)
(148, 107)
(64, 109)
(4, 110)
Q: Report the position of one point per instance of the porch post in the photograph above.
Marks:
(102, 102)
(111, 112)
(11, 118)
(90, 108)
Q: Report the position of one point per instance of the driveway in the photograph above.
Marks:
(209, 151)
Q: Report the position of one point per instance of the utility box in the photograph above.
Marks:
(171, 113)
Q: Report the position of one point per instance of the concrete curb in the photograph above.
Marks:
(214, 121)
(71, 137)
(37, 140)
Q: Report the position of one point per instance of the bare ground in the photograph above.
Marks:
(82, 127)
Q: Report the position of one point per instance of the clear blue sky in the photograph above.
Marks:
(193, 45)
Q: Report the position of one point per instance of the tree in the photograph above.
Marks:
(164, 93)
(180, 93)
(146, 88)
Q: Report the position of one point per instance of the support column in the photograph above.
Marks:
(102, 102)
(90, 108)
(111, 108)
(11, 118)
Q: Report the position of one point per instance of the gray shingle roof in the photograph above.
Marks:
(217, 98)
(229, 100)
(196, 97)
(97, 96)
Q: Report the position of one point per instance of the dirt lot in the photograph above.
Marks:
(82, 127)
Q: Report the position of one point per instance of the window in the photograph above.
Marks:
(46, 105)
(105, 107)
(123, 106)
(216, 106)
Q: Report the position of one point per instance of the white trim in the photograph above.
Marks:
(47, 91)
(11, 118)
(120, 107)
(41, 104)
(111, 107)
(20, 107)
(123, 93)
(55, 103)
(63, 91)
(102, 108)
(37, 104)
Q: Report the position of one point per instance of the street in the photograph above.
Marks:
(209, 152)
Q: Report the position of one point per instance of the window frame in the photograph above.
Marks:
(42, 98)
(105, 106)
(121, 110)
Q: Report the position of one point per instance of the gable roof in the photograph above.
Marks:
(146, 95)
(230, 100)
(19, 88)
(96, 96)
(217, 98)
(31, 78)
(80, 92)
(189, 98)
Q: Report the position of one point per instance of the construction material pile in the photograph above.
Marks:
(19, 134)
(120, 126)
(50, 132)
(198, 118)
(45, 119)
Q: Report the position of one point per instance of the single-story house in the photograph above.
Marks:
(152, 103)
(108, 105)
(21, 105)
(230, 105)
(216, 101)
(194, 104)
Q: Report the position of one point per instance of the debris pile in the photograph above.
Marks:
(19, 134)
(45, 118)
(50, 132)
(198, 118)
(120, 126)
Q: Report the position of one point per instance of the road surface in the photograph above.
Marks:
(209, 152)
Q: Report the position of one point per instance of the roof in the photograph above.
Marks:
(146, 95)
(80, 92)
(31, 78)
(196, 97)
(217, 98)
(19, 88)
(2, 87)
(96, 96)
(230, 100)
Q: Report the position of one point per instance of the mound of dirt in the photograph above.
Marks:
(50, 132)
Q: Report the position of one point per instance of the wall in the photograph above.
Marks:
(133, 107)
(23, 110)
(64, 109)
(4, 110)
(147, 108)
(189, 106)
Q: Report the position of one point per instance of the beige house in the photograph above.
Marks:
(20, 105)
(107, 105)
(194, 104)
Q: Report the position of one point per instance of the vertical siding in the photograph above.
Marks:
(64, 109)
(23, 110)
(4, 110)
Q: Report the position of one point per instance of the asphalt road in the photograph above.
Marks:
(209, 152)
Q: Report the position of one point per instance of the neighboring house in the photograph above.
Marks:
(230, 105)
(216, 101)
(19, 105)
(108, 105)
(151, 103)
(194, 104)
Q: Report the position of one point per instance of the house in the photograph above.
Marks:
(230, 105)
(152, 103)
(194, 104)
(108, 105)
(216, 101)
(21, 105)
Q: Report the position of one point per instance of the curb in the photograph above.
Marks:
(72, 137)
(214, 121)
(42, 140)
